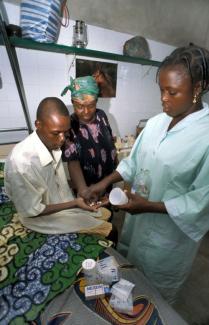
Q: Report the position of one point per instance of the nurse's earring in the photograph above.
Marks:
(194, 99)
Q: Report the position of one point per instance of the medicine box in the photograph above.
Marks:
(96, 291)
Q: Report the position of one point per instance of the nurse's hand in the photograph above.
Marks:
(92, 193)
(87, 195)
(137, 204)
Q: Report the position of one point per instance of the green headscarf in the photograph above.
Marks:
(82, 86)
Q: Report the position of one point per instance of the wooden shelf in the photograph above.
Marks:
(52, 47)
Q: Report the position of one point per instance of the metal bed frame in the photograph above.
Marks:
(12, 55)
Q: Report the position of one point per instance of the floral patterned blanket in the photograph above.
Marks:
(35, 268)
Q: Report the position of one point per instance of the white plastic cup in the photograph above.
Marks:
(89, 270)
(118, 197)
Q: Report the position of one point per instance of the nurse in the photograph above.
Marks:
(168, 167)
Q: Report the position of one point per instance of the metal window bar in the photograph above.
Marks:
(16, 72)
(14, 129)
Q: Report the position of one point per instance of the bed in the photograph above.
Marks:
(41, 280)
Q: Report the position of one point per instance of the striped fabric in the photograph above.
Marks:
(40, 20)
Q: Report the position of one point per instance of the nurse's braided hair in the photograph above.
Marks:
(195, 59)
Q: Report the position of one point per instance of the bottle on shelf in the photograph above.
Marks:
(80, 34)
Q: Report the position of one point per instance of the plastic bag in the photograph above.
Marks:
(142, 183)
(137, 47)
(41, 20)
(122, 305)
(107, 270)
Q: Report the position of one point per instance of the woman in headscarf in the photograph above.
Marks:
(89, 148)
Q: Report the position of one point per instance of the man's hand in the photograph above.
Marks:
(102, 202)
(80, 203)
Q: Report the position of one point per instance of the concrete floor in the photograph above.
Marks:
(193, 302)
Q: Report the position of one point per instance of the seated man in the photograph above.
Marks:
(35, 179)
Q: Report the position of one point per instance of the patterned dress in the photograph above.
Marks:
(93, 145)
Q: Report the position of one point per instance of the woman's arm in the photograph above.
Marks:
(76, 176)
